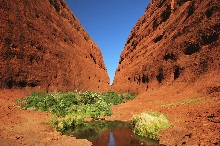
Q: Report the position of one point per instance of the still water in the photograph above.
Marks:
(110, 133)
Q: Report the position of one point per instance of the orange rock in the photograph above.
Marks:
(173, 42)
(44, 47)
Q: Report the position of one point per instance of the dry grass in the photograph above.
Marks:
(149, 123)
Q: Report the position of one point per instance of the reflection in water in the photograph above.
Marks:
(111, 140)
(106, 133)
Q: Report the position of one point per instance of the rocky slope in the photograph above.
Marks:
(175, 41)
(43, 46)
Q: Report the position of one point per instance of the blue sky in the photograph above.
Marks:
(109, 23)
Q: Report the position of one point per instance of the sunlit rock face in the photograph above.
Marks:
(174, 41)
(43, 46)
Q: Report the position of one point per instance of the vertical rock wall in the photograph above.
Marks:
(43, 46)
(174, 41)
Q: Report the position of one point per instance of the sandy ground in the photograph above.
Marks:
(21, 127)
(191, 124)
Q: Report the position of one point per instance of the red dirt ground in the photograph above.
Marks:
(21, 127)
(191, 124)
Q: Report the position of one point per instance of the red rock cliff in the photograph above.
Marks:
(44, 46)
(174, 41)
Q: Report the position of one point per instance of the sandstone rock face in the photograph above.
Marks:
(174, 41)
(43, 46)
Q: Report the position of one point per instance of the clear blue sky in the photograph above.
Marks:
(109, 23)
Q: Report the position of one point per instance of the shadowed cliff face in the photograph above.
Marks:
(174, 41)
(43, 46)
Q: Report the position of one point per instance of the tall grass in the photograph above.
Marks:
(148, 124)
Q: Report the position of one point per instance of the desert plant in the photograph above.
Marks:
(117, 98)
(70, 108)
(63, 123)
(149, 123)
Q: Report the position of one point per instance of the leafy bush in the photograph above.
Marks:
(149, 123)
(70, 108)
(116, 98)
(68, 121)
(37, 100)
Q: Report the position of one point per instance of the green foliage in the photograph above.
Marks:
(37, 100)
(149, 123)
(68, 121)
(70, 108)
(116, 98)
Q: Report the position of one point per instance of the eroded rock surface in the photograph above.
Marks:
(44, 46)
(174, 41)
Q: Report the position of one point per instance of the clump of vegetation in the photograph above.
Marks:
(117, 98)
(71, 108)
(148, 124)
(185, 102)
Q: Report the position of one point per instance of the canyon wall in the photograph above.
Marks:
(43, 46)
(174, 41)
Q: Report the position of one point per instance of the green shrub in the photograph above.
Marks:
(117, 98)
(89, 97)
(70, 108)
(63, 123)
(149, 123)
